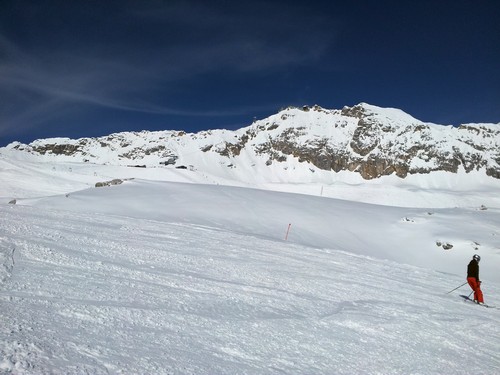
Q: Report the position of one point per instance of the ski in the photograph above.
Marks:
(468, 299)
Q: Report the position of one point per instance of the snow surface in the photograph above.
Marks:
(174, 272)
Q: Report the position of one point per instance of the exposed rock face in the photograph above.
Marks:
(116, 181)
(57, 149)
(363, 139)
(380, 146)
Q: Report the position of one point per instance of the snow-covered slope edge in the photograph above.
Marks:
(27, 179)
(405, 235)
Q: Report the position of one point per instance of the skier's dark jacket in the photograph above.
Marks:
(473, 269)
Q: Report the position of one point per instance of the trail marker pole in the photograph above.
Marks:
(287, 231)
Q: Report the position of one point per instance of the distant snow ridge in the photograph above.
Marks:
(363, 139)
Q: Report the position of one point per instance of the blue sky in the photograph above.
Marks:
(91, 68)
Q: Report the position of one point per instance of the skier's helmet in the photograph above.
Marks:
(476, 257)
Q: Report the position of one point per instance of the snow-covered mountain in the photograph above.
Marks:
(364, 139)
(109, 268)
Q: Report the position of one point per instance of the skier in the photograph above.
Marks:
(473, 279)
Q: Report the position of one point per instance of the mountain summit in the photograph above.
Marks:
(363, 139)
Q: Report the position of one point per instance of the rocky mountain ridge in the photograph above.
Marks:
(364, 139)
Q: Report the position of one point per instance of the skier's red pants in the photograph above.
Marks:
(476, 287)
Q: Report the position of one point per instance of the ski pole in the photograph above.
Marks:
(457, 287)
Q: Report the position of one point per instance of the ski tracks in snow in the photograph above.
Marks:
(108, 294)
(7, 261)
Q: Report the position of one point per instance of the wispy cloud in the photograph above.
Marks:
(145, 55)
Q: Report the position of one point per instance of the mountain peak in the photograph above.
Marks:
(394, 115)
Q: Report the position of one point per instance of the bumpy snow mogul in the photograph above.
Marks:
(364, 139)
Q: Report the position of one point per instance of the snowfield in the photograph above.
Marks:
(174, 272)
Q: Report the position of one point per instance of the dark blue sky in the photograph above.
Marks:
(91, 68)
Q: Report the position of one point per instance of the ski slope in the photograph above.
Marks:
(163, 274)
